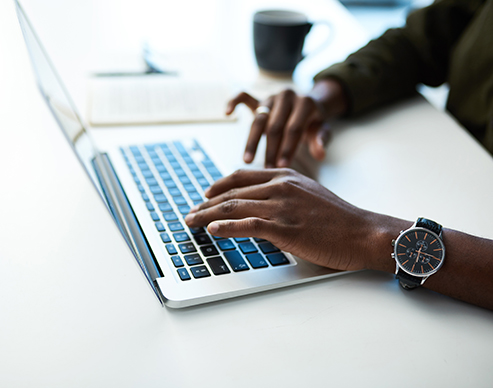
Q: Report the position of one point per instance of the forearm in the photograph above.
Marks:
(467, 271)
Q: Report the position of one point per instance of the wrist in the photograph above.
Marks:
(330, 97)
(384, 229)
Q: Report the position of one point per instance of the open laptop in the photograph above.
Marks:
(149, 188)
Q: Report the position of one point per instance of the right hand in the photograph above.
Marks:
(292, 118)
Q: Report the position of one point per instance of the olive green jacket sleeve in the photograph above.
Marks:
(391, 66)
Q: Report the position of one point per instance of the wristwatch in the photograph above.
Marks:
(418, 253)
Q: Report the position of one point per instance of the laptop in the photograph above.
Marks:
(149, 188)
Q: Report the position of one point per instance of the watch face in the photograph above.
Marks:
(419, 252)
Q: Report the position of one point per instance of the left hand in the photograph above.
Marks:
(296, 214)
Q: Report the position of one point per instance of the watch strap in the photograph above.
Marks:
(408, 282)
(430, 225)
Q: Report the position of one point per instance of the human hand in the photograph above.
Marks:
(297, 215)
(289, 119)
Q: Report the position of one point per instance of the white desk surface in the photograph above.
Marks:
(75, 310)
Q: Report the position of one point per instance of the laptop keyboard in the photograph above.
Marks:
(172, 178)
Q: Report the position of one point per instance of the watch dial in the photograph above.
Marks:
(419, 252)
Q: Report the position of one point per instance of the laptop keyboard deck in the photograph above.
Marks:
(172, 178)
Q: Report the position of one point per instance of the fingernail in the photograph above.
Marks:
(248, 157)
(283, 163)
(213, 227)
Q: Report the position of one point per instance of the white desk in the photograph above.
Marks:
(75, 310)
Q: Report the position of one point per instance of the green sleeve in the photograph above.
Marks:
(391, 66)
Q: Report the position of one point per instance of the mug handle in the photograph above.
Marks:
(325, 43)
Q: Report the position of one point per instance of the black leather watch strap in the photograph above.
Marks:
(429, 224)
(408, 282)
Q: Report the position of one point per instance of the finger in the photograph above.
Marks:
(302, 113)
(241, 98)
(241, 178)
(251, 227)
(283, 104)
(317, 139)
(257, 192)
(257, 129)
(232, 209)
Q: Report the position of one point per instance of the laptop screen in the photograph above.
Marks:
(58, 99)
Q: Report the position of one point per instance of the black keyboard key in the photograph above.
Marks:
(150, 206)
(184, 180)
(200, 272)
(171, 249)
(218, 266)
(143, 166)
(180, 201)
(267, 247)
(258, 239)
(161, 168)
(160, 198)
(203, 182)
(189, 188)
(160, 227)
(184, 210)
(155, 216)
(135, 150)
(155, 190)
(226, 245)
(187, 248)
(165, 207)
(202, 239)
(171, 216)
(242, 239)
(183, 273)
(169, 183)
(180, 171)
(194, 196)
(165, 237)
(165, 176)
(209, 250)
(256, 260)
(197, 230)
(277, 259)
(151, 181)
(139, 159)
(177, 261)
(181, 236)
(147, 174)
(174, 192)
(247, 248)
(141, 189)
(236, 261)
(193, 259)
(217, 238)
(197, 174)
(175, 226)
(145, 197)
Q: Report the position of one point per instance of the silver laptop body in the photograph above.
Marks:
(184, 267)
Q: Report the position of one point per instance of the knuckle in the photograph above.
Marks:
(254, 225)
(231, 194)
(274, 130)
(229, 206)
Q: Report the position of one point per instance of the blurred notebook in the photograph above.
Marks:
(155, 99)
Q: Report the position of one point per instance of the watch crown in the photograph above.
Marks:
(392, 255)
(393, 243)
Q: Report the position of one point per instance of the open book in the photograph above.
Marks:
(153, 99)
